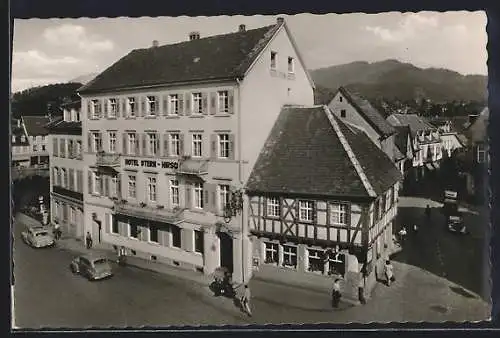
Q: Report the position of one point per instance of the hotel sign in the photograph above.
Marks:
(132, 162)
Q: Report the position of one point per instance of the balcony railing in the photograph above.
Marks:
(35, 170)
(104, 159)
(193, 166)
(173, 216)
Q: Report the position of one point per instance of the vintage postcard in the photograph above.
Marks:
(250, 170)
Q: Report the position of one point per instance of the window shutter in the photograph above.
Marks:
(230, 100)
(213, 105)
(89, 109)
(79, 181)
(144, 149)
(181, 144)
(165, 105)
(206, 197)
(90, 182)
(213, 146)
(189, 203)
(142, 106)
(124, 106)
(71, 180)
(124, 144)
(104, 103)
(157, 144)
(101, 185)
(213, 193)
(107, 223)
(89, 143)
(106, 186)
(165, 145)
(118, 106)
(204, 103)
(181, 104)
(231, 146)
(119, 185)
(187, 104)
(59, 182)
(55, 148)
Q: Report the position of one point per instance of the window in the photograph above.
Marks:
(152, 189)
(271, 253)
(114, 226)
(174, 144)
(273, 60)
(198, 241)
(152, 143)
(197, 103)
(198, 195)
(176, 236)
(223, 101)
(197, 145)
(113, 108)
(223, 145)
(71, 149)
(56, 210)
(96, 109)
(63, 178)
(62, 147)
(388, 200)
(43, 147)
(291, 65)
(78, 148)
(174, 192)
(133, 231)
(132, 141)
(342, 113)
(224, 196)
(114, 187)
(290, 256)
(340, 98)
(174, 104)
(338, 214)
(96, 142)
(35, 148)
(57, 178)
(72, 215)
(316, 263)
(112, 141)
(132, 188)
(336, 264)
(131, 106)
(273, 207)
(481, 153)
(152, 105)
(306, 211)
(153, 234)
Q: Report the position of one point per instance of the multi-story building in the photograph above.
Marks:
(20, 145)
(426, 141)
(323, 199)
(172, 131)
(66, 171)
(34, 127)
(450, 140)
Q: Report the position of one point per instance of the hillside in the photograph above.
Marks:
(39, 101)
(84, 79)
(392, 79)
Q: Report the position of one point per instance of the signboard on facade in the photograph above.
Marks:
(132, 162)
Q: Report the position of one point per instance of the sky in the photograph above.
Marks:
(58, 50)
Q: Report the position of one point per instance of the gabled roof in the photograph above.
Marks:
(401, 138)
(310, 151)
(414, 122)
(35, 125)
(221, 57)
(369, 112)
(59, 126)
(477, 131)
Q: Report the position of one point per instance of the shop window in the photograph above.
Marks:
(336, 264)
(176, 236)
(316, 263)
(271, 253)
(290, 256)
(198, 241)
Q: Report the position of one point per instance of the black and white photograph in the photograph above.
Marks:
(236, 170)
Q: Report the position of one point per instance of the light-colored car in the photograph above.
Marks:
(38, 237)
(92, 267)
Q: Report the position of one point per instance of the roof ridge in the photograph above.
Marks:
(350, 153)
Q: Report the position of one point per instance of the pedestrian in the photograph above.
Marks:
(415, 228)
(121, 255)
(389, 272)
(428, 211)
(57, 231)
(402, 234)
(336, 295)
(245, 300)
(361, 290)
(88, 240)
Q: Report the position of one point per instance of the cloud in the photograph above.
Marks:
(410, 26)
(75, 36)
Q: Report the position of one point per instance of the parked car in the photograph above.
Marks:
(91, 267)
(456, 224)
(38, 237)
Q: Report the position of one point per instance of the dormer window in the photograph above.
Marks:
(291, 65)
(274, 56)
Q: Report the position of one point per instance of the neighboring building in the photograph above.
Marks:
(406, 147)
(426, 142)
(34, 127)
(171, 131)
(20, 145)
(323, 199)
(66, 170)
(450, 139)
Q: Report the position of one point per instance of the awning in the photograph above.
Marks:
(147, 213)
(193, 167)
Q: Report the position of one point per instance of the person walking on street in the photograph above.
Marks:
(361, 290)
(245, 300)
(57, 231)
(428, 212)
(389, 272)
(336, 295)
(88, 240)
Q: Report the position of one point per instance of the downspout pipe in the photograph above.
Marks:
(240, 179)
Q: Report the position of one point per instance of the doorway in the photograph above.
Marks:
(226, 251)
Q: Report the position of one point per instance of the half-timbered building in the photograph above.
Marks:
(322, 198)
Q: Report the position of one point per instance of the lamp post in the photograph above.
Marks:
(232, 209)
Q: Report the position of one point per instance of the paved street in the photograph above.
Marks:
(48, 295)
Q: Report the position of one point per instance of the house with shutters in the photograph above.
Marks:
(34, 127)
(322, 200)
(21, 153)
(66, 170)
(171, 132)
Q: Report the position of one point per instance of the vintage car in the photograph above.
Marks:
(92, 267)
(456, 224)
(38, 237)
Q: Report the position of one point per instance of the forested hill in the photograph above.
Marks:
(39, 101)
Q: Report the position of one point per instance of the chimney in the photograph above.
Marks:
(155, 43)
(194, 36)
(242, 28)
(280, 20)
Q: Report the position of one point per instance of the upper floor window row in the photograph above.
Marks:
(170, 105)
(274, 64)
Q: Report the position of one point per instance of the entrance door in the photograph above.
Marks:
(226, 251)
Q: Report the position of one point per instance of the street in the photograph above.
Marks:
(48, 295)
